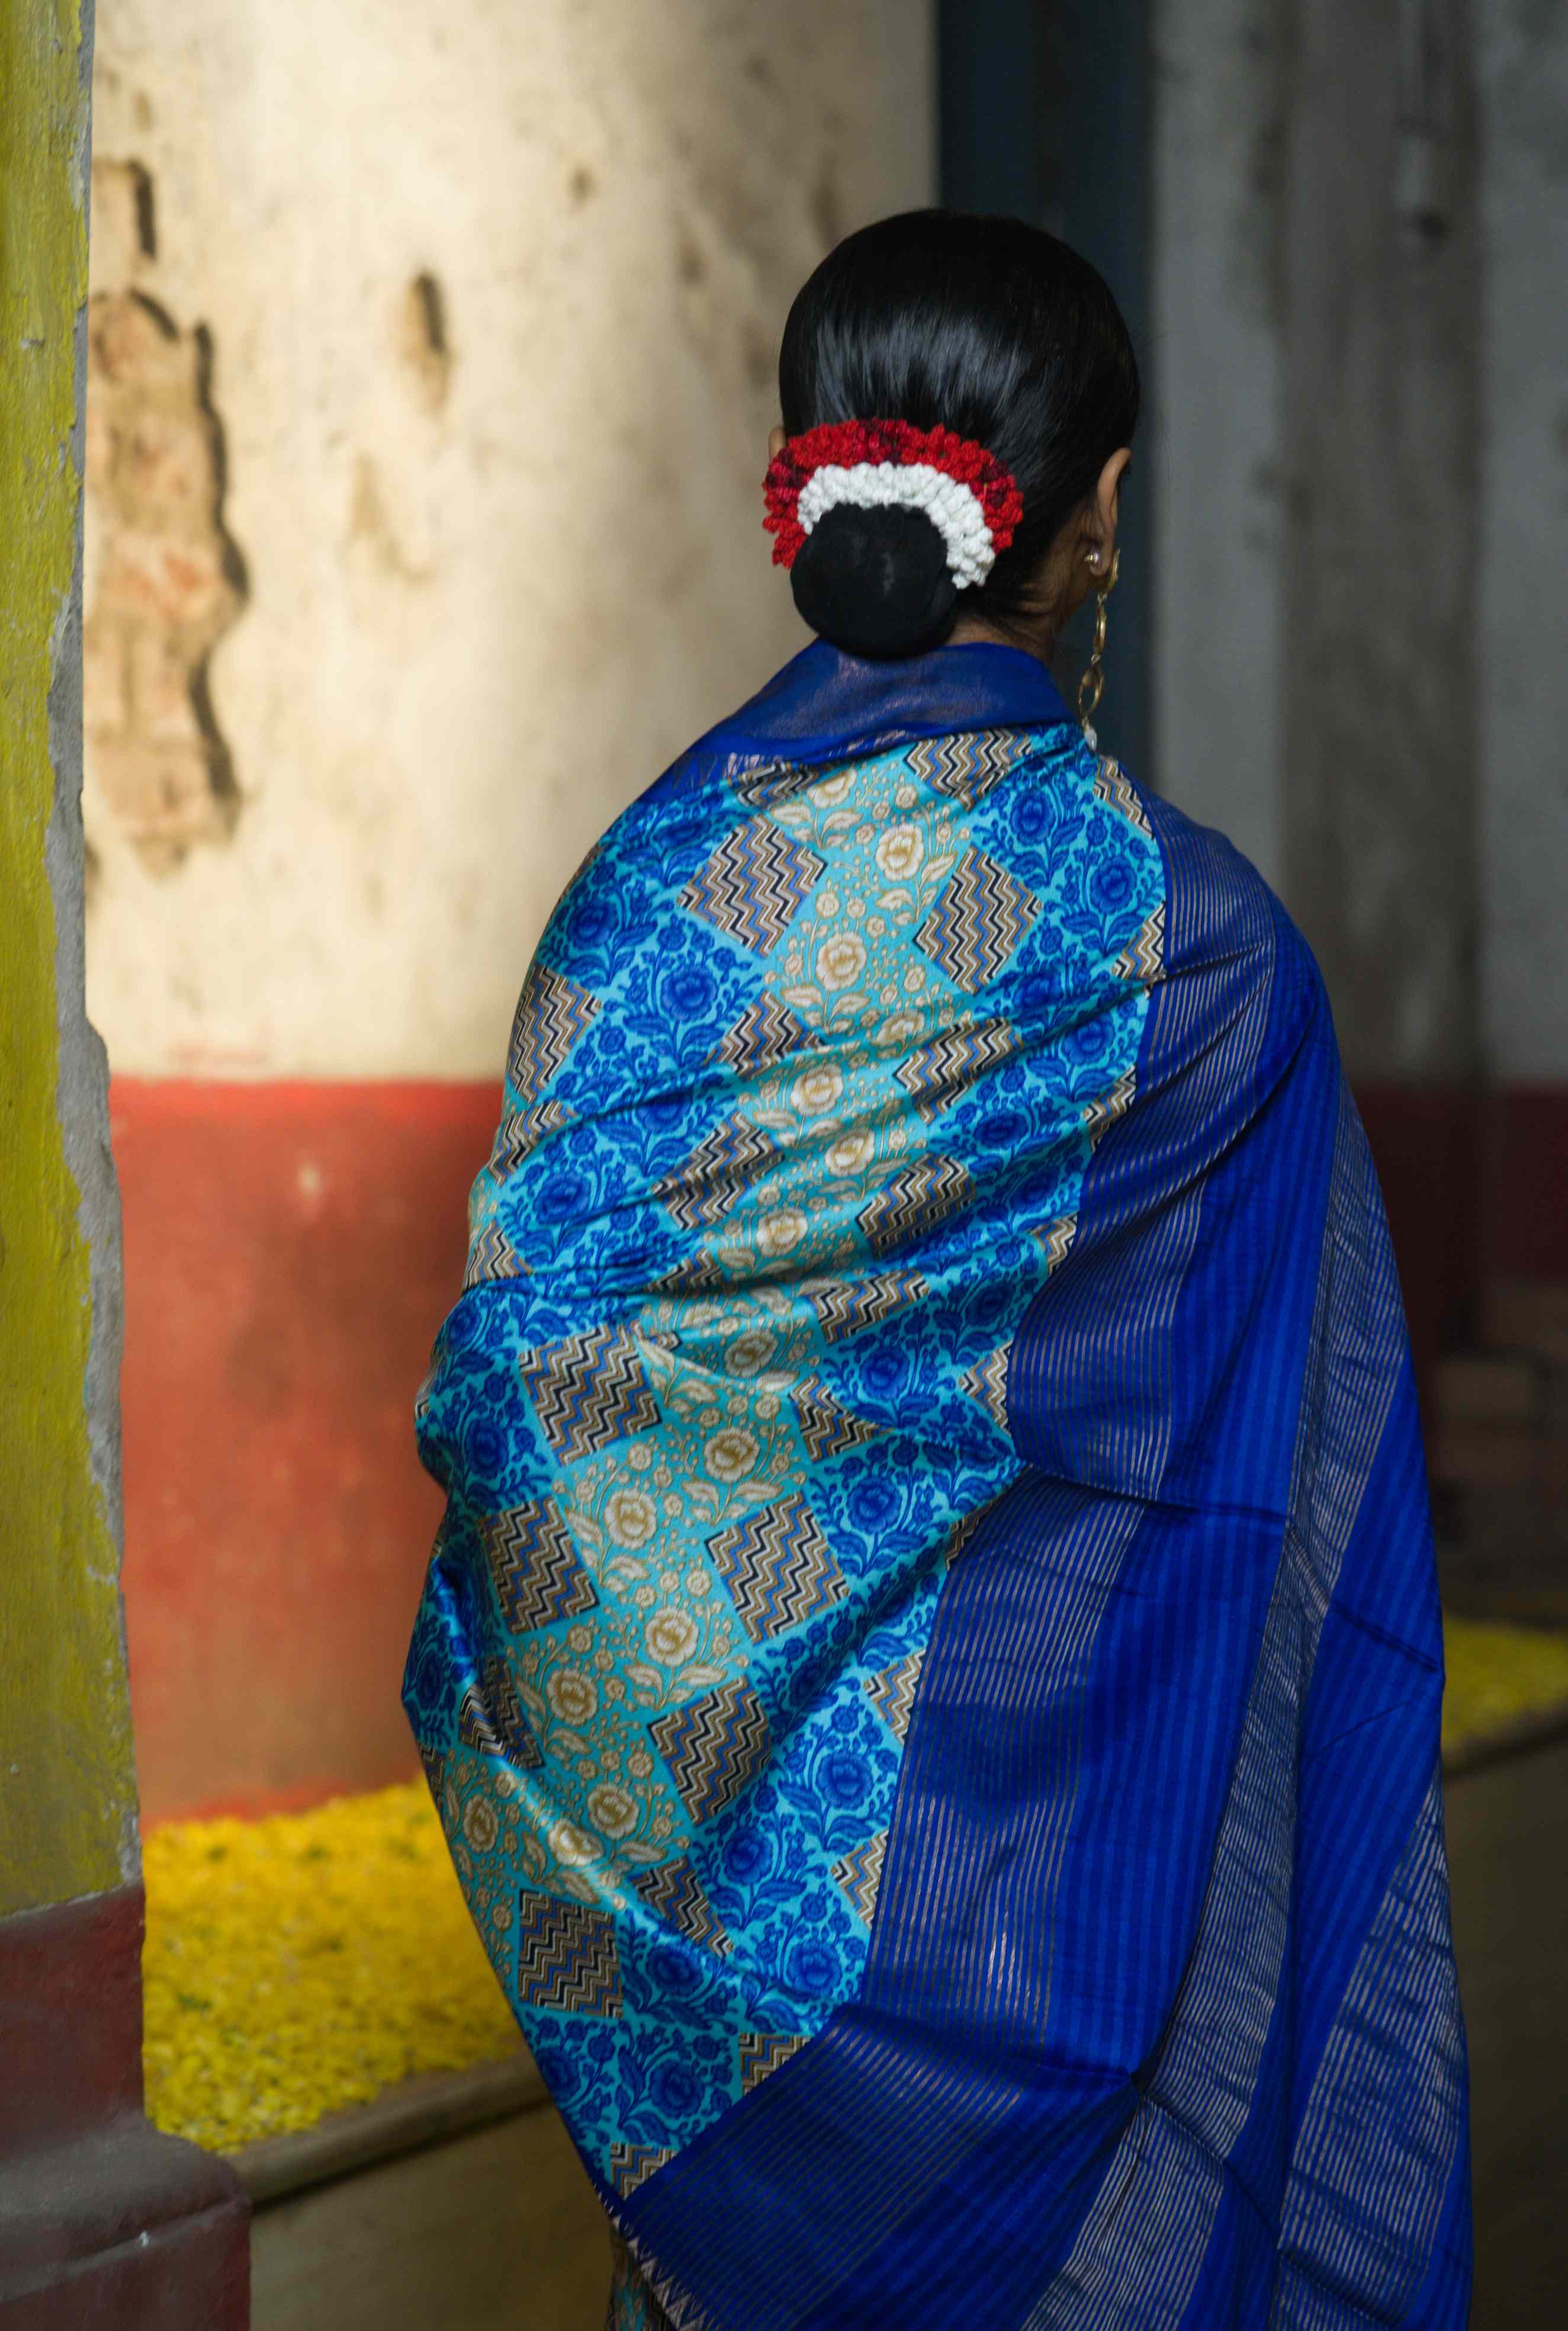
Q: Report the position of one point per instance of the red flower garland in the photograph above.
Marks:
(843, 443)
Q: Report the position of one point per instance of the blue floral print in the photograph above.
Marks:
(804, 1079)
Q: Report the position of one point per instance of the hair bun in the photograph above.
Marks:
(875, 582)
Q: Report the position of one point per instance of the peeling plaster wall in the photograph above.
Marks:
(493, 300)
(432, 369)
(1524, 615)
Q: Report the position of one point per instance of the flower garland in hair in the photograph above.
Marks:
(970, 498)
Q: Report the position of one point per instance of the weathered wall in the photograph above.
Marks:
(1220, 91)
(1362, 539)
(1524, 608)
(1362, 345)
(67, 1791)
(1318, 268)
(432, 369)
(1382, 429)
(490, 301)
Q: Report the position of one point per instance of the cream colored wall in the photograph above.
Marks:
(486, 602)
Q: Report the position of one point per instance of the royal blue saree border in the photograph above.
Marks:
(826, 706)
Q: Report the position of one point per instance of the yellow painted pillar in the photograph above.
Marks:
(103, 2221)
(67, 1792)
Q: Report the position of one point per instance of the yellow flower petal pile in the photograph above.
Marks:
(1497, 1675)
(303, 1962)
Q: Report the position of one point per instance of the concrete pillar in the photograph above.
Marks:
(1318, 331)
(103, 2221)
(1220, 91)
(1381, 426)
(1522, 669)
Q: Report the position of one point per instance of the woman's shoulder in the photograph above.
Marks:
(1221, 915)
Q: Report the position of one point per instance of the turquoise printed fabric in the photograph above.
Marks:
(804, 1080)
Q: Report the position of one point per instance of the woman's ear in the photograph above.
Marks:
(776, 443)
(1106, 502)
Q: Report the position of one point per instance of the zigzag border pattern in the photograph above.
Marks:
(674, 1892)
(631, 2166)
(827, 1428)
(1056, 1237)
(552, 1013)
(1101, 1113)
(937, 1074)
(767, 1032)
(919, 1200)
(754, 885)
(566, 1957)
(492, 1255)
(986, 1383)
(778, 1567)
(773, 781)
(762, 2054)
(967, 765)
(713, 1746)
(522, 1130)
(589, 1390)
(845, 1307)
(694, 1274)
(1144, 956)
(891, 1691)
(1113, 786)
(858, 1873)
(718, 1174)
(534, 1567)
(977, 925)
(491, 1720)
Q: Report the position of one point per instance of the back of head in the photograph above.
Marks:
(984, 327)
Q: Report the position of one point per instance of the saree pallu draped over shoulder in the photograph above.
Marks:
(931, 1669)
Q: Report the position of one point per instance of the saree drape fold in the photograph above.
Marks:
(931, 1670)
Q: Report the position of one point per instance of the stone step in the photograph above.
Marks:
(455, 2203)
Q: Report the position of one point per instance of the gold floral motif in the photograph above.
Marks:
(631, 1518)
(817, 1091)
(480, 1823)
(573, 1696)
(731, 1455)
(613, 1811)
(839, 961)
(900, 852)
(671, 1636)
(571, 1845)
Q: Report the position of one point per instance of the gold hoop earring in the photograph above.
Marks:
(1091, 687)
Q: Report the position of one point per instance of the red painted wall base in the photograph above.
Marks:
(105, 2225)
(1477, 1189)
(290, 1253)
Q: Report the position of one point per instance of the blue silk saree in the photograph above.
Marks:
(931, 1669)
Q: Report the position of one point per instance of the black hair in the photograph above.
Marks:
(984, 326)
